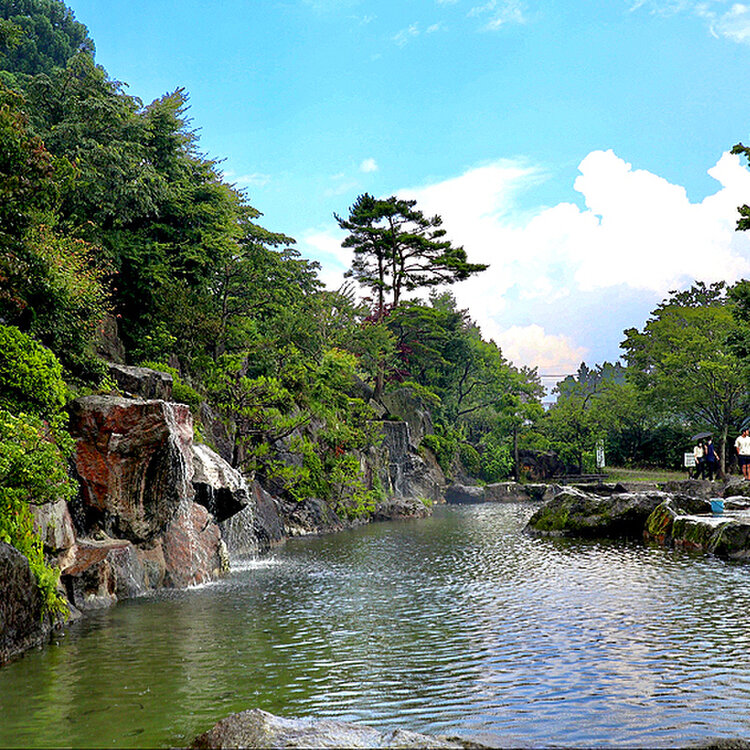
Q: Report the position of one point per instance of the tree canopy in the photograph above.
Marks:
(398, 249)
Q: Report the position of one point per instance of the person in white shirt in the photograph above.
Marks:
(698, 456)
(742, 446)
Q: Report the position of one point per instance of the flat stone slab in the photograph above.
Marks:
(725, 535)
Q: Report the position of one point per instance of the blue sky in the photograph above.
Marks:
(578, 146)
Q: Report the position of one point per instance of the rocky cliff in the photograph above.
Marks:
(156, 510)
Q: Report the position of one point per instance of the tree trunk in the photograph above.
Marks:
(515, 453)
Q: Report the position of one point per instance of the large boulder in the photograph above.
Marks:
(401, 508)
(463, 494)
(219, 487)
(700, 488)
(23, 624)
(258, 729)
(193, 548)
(736, 488)
(576, 513)
(256, 528)
(142, 382)
(99, 572)
(135, 463)
(539, 466)
(309, 516)
(726, 535)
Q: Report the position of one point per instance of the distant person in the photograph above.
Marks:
(710, 459)
(698, 456)
(742, 446)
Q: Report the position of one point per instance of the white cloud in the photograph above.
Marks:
(637, 237)
(406, 35)
(531, 344)
(725, 19)
(368, 165)
(499, 14)
(324, 245)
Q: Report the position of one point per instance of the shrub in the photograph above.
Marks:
(30, 375)
(33, 470)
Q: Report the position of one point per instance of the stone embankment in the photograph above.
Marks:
(678, 514)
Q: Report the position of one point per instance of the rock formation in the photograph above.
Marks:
(573, 512)
(22, 622)
(259, 729)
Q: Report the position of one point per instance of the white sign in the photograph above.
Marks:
(600, 456)
(689, 460)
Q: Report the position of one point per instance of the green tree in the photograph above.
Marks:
(398, 249)
(37, 36)
(682, 364)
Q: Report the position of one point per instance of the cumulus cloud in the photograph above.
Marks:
(530, 344)
(636, 237)
(368, 165)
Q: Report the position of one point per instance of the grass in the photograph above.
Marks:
(619, 474)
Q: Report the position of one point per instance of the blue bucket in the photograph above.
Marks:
(717, 506)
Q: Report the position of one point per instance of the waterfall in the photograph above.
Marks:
(239, 534)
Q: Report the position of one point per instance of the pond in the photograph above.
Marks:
(458, 624)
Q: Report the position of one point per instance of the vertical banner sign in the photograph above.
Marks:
(600, 456)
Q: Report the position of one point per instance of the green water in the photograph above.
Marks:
(454, 624)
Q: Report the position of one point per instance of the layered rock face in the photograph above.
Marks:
(405, 472)
(138, 524)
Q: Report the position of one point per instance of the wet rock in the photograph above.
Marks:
(461, 494)
(221, 489)
(700, 488)
(22, 625)
(576, 513)
(736, 488)
(191, 546)
(99, 572)
(142, 382)
(134, 461)
(258, 729)
(406, 471)
(401, 508)
(309, 516)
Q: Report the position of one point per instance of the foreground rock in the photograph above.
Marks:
(573, 512)
(259, 729)
(138, 526)
(134, 462)
(142, 381)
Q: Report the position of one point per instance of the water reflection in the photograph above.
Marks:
(455, 624)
